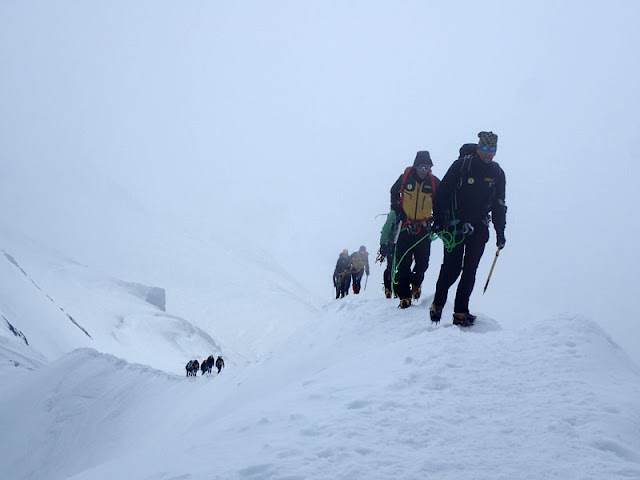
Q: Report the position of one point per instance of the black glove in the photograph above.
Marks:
(500, 240)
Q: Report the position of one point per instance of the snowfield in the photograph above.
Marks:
(177, 180)
(365, 390)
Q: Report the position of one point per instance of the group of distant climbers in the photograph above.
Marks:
(348, 268)
(457, 210)
(193, 366)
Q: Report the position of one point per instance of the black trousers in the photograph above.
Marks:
(343, 282)
(464, 258)
(357, 279)
(418, 256)
(386, 275)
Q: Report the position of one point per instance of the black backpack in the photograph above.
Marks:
(468, 149)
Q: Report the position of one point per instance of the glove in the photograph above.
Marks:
(500, 240)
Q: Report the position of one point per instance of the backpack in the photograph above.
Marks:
(357, 261)
(390, 230)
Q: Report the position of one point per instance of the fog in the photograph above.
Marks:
(283, 125)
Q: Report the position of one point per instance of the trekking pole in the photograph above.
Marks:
(365, 282)
(491, 271)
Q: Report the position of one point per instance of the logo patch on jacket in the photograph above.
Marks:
(470, 181)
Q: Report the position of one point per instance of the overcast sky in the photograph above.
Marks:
(283, 124)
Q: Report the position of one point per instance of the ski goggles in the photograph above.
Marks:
(484, 148)
(425, 168)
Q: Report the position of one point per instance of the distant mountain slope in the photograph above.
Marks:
(31, 316)
(86, 265)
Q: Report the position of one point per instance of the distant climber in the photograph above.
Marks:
(219, 363)
(342, 274)
(210, 363)
(359, 266)
(192, 368)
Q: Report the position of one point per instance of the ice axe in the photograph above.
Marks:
(491, 271)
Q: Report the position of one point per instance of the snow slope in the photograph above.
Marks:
(364, 390)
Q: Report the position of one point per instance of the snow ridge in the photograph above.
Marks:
(363, 391)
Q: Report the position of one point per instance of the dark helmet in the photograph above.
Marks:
(363, 248)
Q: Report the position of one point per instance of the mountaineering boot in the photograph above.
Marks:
(405, 303)
(387, 292)
(464, 319)
(416, 291)
(435, 312)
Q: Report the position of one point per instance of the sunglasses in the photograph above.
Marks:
(423, 167)
(484, 148)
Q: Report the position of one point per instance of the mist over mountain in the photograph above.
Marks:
(178, 180)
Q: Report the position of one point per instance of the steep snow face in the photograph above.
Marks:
(31, 316)
(53, 304)
(85, 265)
(88, 266)
(364, 391)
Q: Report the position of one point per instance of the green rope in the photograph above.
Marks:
(448, 240)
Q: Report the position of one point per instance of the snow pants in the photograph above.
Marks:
(386, 275)
(464, 258)
(417, 249)
(357, 280)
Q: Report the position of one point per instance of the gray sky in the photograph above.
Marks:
(285, 123)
